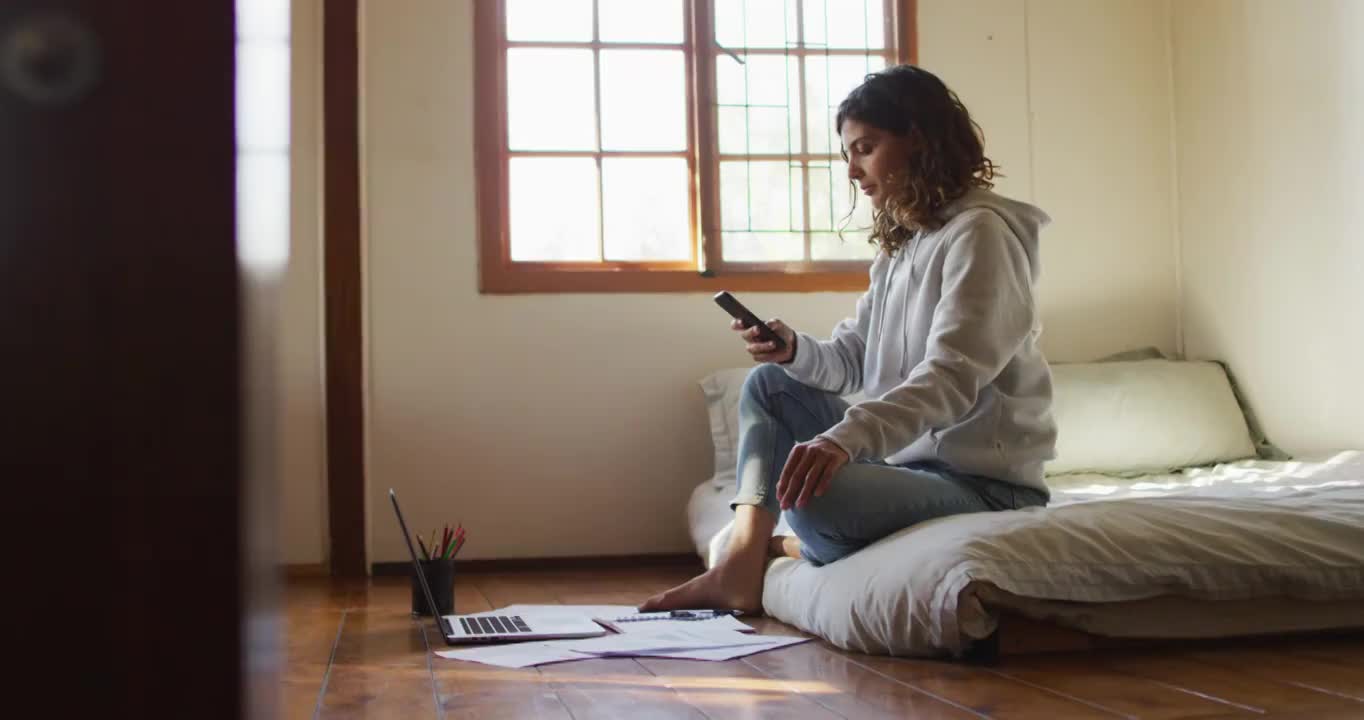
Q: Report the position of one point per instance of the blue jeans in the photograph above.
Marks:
(865, 501)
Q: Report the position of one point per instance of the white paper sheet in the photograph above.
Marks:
(719, 654)
(607, 614)
(513, 655)
(672, 639)
(724, 622)
(688, 641)
(683, 639)
(530, 654)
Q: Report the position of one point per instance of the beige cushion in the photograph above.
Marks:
(1145, 416)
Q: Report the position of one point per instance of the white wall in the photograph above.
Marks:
(572, 424)
(1270, 112)
(1074, 99)
(301, 451)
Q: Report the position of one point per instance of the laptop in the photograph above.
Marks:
(492, 627)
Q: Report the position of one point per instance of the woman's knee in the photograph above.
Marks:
(816, 525)
(813, 519)
(762, 382)
(763, 379)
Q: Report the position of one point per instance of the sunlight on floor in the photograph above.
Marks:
(804, 687)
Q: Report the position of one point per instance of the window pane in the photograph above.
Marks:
(263, 19)
(759, 104)
(646, 208)
(758, 130)
(763, 247)
(852, 246)
(755, 23)
(549, 19)
(731, 79)
(644, 100)
(641, 20)
(263, 209)
(832, 196)
(733, 130)
(553, 209)
(760, 196)
(263, 96)
(760, 80)
(550, 100)
(845, 23)
(827, 81)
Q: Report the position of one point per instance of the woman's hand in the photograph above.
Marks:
(809, 470)
(766, 351)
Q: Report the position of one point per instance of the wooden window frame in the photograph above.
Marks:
(498, 274)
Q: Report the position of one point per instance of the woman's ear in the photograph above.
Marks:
(914, 140)
(911, 144)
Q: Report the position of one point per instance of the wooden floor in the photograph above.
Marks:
(353, 650)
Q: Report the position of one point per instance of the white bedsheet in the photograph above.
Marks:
(1252, 546)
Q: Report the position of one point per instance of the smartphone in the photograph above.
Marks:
(746, 317)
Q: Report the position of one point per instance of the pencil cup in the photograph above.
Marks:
(440, 575)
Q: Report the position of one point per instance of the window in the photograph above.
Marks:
(672, 145)
(262, 100)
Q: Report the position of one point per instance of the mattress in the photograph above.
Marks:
(1238, 548)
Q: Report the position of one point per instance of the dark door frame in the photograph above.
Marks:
(123, 363)
(343, 289)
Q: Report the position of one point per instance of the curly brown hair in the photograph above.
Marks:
(948, 155)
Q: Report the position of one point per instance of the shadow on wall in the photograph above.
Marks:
(1082, 332)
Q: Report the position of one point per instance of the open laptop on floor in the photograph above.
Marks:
(487, 627)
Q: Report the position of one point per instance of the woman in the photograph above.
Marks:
(944, 342)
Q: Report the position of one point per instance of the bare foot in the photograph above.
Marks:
(727, 586)
(784, 546)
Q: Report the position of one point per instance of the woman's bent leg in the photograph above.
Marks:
(866, 502)
(775, 413)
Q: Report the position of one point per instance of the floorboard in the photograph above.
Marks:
(353, 650)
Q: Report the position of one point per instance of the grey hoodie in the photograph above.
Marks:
(944, 345)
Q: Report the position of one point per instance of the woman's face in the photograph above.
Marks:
(874, 156)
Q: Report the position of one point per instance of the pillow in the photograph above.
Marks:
(1145, 416)
(722, 389)
(1264, 449)
(1113, 416)
(722, 406)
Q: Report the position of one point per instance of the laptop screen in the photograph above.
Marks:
(416, 565)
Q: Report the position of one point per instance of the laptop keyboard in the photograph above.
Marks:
(494, 625)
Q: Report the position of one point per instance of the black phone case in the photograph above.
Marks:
(745, 316)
